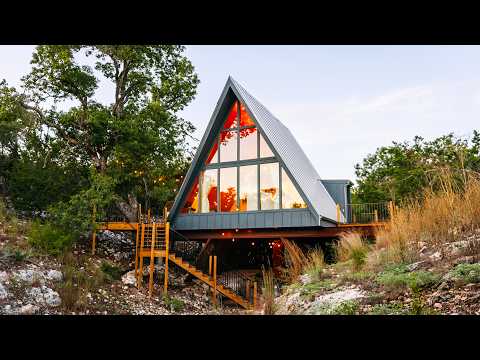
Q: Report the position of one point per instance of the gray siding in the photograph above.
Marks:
(339, 190)
(245, 220)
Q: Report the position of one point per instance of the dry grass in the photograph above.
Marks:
(295, 258)
(352, 247)
(268, 292)
(440, 216)
(315, 263)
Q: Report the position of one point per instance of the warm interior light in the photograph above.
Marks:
(223, 234)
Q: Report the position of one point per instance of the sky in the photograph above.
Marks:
(340, 102)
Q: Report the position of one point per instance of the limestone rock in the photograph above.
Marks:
(3, 292)
(54, 275)
(28, 309)
(45, 296)
(129, 278)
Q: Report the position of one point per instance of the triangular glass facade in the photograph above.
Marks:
(241, 172)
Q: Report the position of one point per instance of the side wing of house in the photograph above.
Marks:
(249, 172)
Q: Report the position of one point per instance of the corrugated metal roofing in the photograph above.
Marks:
(283, 144)
(292, 155)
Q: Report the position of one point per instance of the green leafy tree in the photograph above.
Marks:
(402, 170)
(138, 140)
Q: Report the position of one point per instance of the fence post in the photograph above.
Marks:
(390, 209)
(338, 213)
(247, 290)
(254, 295)
(375, 214)
(136, 249)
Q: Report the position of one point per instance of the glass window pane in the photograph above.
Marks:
(228, 189)
(245, 119)
(191, 204)
(209, 191)
(248, 143)
(264, 148)
(232, 120)
(291, 199)
(228, 146)
(213, 156)
(269, 189)
(248, 188)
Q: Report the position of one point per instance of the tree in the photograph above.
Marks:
(138, 140)
(402, 170)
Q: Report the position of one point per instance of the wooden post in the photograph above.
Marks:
(338, 213)
(136, 249)
(247, 290)
(139, 215)
(94, 233)
(254, 294)
(210, 265)
(152, 259)
(148, 215)
(215, 280)
(140, 272)
(390, 209)
(167, 245)
(375, 214)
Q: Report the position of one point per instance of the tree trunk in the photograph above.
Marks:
(129, 209)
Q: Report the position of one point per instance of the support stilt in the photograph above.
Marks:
(215, 280)
(136, 249)
(152, 259)
(140, 270)
(167, 245)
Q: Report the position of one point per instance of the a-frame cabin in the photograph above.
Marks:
(250, 173)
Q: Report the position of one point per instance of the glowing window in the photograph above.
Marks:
(248, 188)
(213, 156)
(228, 189)
(228, 146)
(291, 199)
(248, 143)
(209, 191)
(191, 204)
(269, 188)
(232, 119)
(265, 150)
(245, 119)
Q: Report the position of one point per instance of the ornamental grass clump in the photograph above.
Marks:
(352, 247)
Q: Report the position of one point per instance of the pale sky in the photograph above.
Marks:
(340, 102)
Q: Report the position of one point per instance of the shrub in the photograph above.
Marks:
(111, 272)
(399, 277)
(388, 309)
(469, 273)
(349, 307)
(49, 238)
(351, 246)
(174, 304)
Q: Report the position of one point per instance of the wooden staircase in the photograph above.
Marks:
(210, 282)
(153, 241)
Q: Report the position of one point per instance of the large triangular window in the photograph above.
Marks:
(241, 172)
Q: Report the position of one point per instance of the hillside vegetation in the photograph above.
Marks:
(426, 261)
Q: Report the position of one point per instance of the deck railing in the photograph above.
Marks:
(366, 213)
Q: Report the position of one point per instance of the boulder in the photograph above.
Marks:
(45, 296)
(129, 278)
(3, 292)
(54, 275)
(28, 309)
(28, 276)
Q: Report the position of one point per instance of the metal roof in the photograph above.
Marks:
(284, 146)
